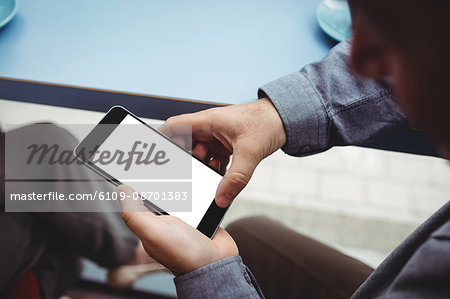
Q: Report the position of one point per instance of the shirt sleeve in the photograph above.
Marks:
(227, 278)
(327, 104)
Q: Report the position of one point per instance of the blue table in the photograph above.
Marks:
(214, 51)
(158, 57)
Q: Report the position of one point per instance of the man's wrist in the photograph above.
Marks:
(269, 111)
(226, 278)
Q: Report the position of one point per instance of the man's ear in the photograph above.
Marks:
(370, 53)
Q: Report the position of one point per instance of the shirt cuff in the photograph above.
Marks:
(227, 278)
(303, 114)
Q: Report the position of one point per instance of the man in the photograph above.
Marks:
(402, 45)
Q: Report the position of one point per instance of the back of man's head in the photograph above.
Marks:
(407, 43)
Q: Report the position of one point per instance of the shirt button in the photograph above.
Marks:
(247, 277)
(305, 148)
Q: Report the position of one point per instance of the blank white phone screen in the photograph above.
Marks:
(204, 180)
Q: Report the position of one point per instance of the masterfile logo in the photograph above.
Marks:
(141, 153)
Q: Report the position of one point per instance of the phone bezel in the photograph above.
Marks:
(213, 216)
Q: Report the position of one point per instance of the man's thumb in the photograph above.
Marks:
(235, 179)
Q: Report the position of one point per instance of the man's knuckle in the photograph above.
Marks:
(126, 216)
(238, 178)
(171, 119)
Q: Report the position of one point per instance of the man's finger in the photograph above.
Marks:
(201, 152)
(135, 215)
(129, 200)
(172, 127)
(199, 124)
(236, 178)
(215, 163)
(181, 134)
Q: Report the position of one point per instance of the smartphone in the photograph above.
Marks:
(178, 178)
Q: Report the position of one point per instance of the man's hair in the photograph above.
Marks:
(406, 21)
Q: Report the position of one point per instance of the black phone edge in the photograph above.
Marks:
(214, 214)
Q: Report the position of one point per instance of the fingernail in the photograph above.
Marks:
(125, 192)
(224, 200)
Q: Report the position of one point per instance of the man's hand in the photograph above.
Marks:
(173, 243)
(250, 132)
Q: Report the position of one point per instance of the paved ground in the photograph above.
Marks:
(362, 201)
